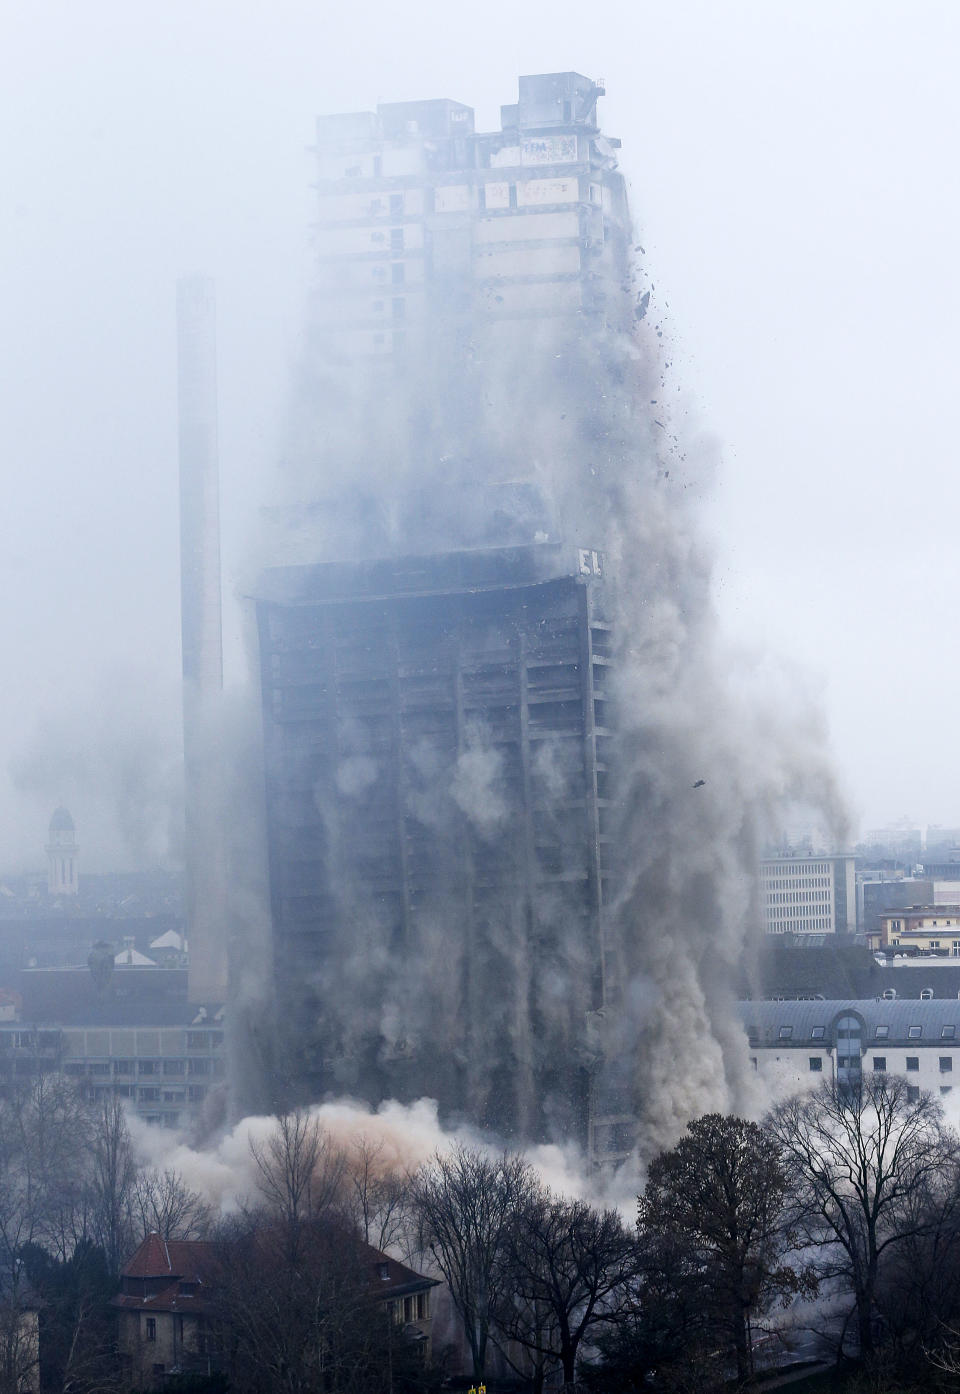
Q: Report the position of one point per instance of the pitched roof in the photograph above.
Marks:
(170, 1258)
(388, 1276)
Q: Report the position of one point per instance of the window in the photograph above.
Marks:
(818, 1032)
(880, 1064)
(197, 1040)
(753, 1061)
(945, 1088)
(399, 309)
(816, 1062)
(946, 1064)
(396, 205)
(199, 1067)
(926, 993)
(173, 1067)
(786, 1033)
(913, 1093)
(148, 1067)
(948, 1033)
(398, 273)
(123, 1067)
(913, 1063)
(396, 239)
(383, 1269)
(914, 1033)
(151, 1328)
(149, 1095)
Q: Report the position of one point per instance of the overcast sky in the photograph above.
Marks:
(793, 175)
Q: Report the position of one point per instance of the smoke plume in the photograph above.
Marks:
(496, 434)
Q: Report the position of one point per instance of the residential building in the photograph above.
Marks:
(795, 1045)
(165, 1310)
(809, 894)
(171, 1323)
(919, 929)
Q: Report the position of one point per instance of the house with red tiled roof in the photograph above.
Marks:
(405, 1293)
(165, 1306)
(164, 1309)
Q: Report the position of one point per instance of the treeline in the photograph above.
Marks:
(843, 1206)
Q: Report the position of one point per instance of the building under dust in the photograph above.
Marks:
(437, 720)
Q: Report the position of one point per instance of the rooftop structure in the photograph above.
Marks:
(415, 207)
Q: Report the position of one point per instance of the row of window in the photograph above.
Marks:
(804, 926)
(787, 881)
(852, 1062)
(798, 897)
(203, 1066)
(406, 1309)
(915, 925)
(881, 1032)
(196, 1093)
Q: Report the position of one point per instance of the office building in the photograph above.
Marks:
(809, 894)
(435, 647)
(419, 211)
(436, 737)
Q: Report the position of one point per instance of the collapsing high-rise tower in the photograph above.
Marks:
(436, 660)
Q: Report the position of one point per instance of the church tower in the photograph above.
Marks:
(62, 855)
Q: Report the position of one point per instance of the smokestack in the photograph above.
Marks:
(201, 636)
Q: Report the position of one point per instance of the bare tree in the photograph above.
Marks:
(377, 1194)
(857, 1157)
(300, 1172)
(305, 1325)
(45, 1183)
(466, 1203)
(723, 1192)
(571, 1266)
(163, 1203)
(113, 1178)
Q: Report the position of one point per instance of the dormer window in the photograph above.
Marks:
(383, 1270)
(914, 1033)
(786, 1033)
(818, 1033)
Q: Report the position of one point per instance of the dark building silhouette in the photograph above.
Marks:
(436, 759)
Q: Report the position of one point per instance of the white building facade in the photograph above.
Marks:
(796, 1045)
(809, 894)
